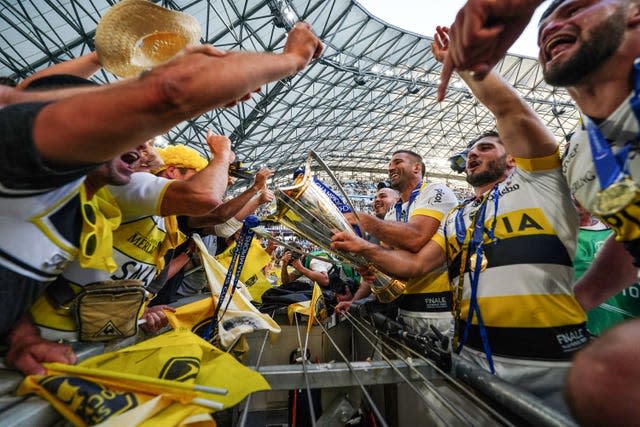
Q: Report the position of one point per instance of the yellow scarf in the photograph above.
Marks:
(101, 215)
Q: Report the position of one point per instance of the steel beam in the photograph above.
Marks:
(330, 375)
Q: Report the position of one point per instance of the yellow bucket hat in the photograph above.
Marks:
(181, 156)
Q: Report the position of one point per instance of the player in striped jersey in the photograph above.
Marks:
(508, 249)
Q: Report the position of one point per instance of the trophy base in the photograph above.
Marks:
(390, 292)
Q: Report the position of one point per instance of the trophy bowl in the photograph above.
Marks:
(309, 211)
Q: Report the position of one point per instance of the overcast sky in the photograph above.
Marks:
(422, 16)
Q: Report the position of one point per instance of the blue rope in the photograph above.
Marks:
(235, 268)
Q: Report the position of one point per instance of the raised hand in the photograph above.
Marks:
(266, 196)
(260, 180)
(220, 146)
(303, 45)
(481, 34)
(440, 44)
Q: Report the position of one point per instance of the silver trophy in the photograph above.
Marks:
(307, 210)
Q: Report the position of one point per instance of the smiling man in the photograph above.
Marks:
(590, 47)
(383, 200)
(410, 224)
(508, 249)
(146, 204)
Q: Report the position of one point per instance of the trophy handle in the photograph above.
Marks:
(261, 232)
(292, 191)
(386, 288)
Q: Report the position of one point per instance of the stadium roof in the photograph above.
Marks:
(371, 93)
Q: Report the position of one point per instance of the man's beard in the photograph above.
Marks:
(398, 185)
(602, 42)
(495, 170)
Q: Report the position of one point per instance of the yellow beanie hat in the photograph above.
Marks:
(181, 156)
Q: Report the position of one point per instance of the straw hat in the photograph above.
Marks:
(136, 34)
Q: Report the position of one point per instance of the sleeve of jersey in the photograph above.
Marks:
(21, 166)
(319, 266)
(541, 163)
(435, 201)
(142, 196)
(439, 237)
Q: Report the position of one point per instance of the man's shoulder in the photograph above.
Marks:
(141, 185)
(437, 196)
(22, 168)
(141, 196)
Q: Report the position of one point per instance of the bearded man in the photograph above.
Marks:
(590, 47)
(508, 249)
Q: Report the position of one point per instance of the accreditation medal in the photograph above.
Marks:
(615, 197)
(473, 259)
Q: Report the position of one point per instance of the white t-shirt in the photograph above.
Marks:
(137, 241)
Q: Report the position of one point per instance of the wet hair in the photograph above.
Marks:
(58, 81)
(487, 134)
(548, 11)
(417, 157)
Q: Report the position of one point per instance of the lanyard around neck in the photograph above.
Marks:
(611, 167)
(471, 243)
(404, 216)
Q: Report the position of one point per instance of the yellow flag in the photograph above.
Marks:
(194, 317)
(176, 358)
(241, 316)
(315, 308)
(257, 259)
(258, 285)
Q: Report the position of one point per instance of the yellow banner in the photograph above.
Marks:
(241, 316)
(257, 259)
(125, 380)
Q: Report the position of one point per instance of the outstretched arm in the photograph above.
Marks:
(82, 66)
(396, 262)
(482, 32)
(521, 131)
(130, 113)
(236, 206)
(410, 236)
(320, 277)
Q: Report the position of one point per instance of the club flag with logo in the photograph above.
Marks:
(258, 284)
(314, 308)
(252, 271)
(194, 317)
(112, 384)
(241, 317)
